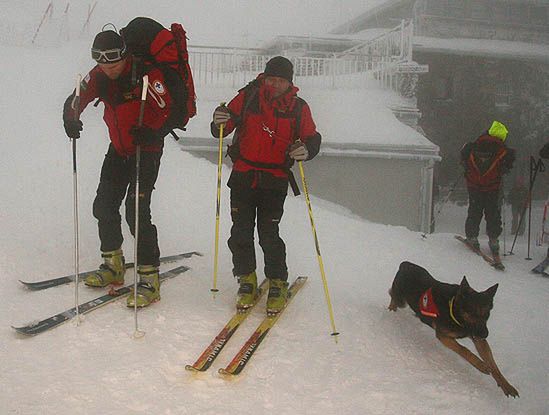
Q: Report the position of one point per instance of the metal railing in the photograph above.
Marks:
(222, 68)
(374, 60)
(394, 45)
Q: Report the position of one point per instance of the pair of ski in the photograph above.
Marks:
(493, 261)
(243, 356)
(54, 282)
(37, 327)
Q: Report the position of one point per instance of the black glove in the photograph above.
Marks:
(144, 136)
(73, 128)
(221, 115)
(298, 151)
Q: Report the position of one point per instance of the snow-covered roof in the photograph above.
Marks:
(484, 47)
(373, 8)
(353, 121)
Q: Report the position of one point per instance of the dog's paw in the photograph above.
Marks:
(508, 389)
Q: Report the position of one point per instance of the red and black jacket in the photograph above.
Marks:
(266, 127)
(486, 160)
(122, 99)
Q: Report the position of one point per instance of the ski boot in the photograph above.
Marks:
(278, 295)
(148, 288)
(111, 271)
(494, 248)
(472, 241)
(247, 292)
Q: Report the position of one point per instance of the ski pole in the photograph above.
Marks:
(137, 332)
(444, 201)
(503, 214)
(317, 247)
(75, 199)
(218, 203)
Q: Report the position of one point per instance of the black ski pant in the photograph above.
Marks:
(487, 204)
(116, 183)
(268, 206)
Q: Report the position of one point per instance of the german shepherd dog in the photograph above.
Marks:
(454, 311)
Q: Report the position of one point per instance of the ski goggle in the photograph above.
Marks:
(108, 56)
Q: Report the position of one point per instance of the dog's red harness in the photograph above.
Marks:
(427, 305)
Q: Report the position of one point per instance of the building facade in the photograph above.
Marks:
(487, 59)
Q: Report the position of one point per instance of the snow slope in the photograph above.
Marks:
(384, 363)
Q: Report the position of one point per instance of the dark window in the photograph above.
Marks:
(443, 88)
(538, 15)
(437, 7)
(480, 10)
(456, 8)
(501, 12)
(518, 13)
(504, 93)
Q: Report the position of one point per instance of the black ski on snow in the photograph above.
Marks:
(213, 350)
(244, 355)
(541, 267)
(492, 261)
(35, 328)
(54, 282)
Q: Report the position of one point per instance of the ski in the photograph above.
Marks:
(54, 282)
(494, 262)
(35, 328)
(244, 355)
(541, 267)
(211, 352)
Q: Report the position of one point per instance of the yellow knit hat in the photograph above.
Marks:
(498, 130)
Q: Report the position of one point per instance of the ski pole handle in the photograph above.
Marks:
(221, 126)
(143, 100)
(77, 97)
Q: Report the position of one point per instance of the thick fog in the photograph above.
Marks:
(212, 22)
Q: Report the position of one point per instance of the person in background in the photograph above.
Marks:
(485, 161)
(274, 128)
(111, 81)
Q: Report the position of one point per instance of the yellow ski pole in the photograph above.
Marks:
(218, 204)
(317, 247)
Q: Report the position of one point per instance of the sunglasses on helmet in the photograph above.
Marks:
(108, 56)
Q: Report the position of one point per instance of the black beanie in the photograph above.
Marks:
(281, 67)
(108, 40)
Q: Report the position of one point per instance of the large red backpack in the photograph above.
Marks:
(154, 44)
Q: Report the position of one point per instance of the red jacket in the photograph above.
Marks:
(486, 160)
(122, 103)
(268, 129)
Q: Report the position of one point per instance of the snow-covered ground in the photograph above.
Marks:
(384, 363)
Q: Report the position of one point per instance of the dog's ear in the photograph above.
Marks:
(491, 291)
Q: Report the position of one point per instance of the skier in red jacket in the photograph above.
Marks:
(112, 82)
(274, 128)
(486, 160)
